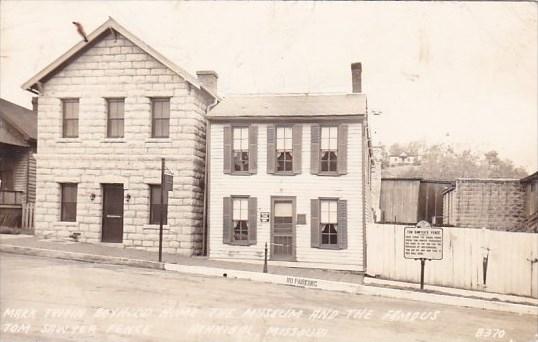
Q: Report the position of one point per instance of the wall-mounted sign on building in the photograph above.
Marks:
(264, 216)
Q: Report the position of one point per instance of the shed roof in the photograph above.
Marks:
(111, 24)
(298, 105)
(530, 178)
(22, 119)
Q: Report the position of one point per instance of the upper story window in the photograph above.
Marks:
(240, 149)
(284, 149)
(68, 202)
(115, 118)
(329, 149)
(284, 144)
(160, 117)
(70, 118)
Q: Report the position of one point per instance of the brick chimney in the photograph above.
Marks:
(208, 78)
(34, 104)
(356, 77)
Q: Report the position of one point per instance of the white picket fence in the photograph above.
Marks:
(509, 269)
(27, 217)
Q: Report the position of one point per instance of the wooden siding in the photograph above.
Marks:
(303, 186)
(430, 203)
(399, 200)
(509, 270)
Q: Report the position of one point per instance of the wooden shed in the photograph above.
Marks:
(410, 200)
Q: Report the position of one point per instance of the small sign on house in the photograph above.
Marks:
(264, 216)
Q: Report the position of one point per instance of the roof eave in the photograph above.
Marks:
(31, 84)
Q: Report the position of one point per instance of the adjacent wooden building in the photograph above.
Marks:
(410, 200)
(18, 136)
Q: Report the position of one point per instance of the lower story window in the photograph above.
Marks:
(69, 202)
(240, 219)
(329, 222)
(155, 205)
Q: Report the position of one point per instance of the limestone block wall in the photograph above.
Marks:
(494, 204)
(114, 67)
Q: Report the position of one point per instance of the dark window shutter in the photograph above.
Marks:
(314, 223)
(315, 134)
(227, 220)
(342, 224)
(342, 149)
(271, 148)
(253, 149)
(227, 148)
(297, 146)
(252, 220)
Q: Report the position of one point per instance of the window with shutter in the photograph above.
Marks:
(329, 150)
(70, 118)
(329, 223)
(240, 219)
(240, 149)
(284, 149)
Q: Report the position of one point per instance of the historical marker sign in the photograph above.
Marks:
(423, 243)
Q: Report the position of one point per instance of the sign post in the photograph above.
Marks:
(167, 183)
(423, 243)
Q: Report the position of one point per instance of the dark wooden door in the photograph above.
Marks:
(112, 213)
(283, 229)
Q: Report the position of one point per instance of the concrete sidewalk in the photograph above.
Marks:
(330, 280)
(29, 241)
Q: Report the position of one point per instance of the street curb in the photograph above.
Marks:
(95, 258)
(359, 289)
(491, 296)
(310, 283)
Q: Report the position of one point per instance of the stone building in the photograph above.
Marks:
(293, 172)
(108, 111)
(498, 204)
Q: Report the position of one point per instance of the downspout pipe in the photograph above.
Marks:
(206, 180)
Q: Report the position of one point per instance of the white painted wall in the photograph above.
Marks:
(509, 267)
(304, 186)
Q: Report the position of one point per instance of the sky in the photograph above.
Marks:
(462, 73)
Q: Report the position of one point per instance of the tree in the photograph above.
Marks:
(441, 161)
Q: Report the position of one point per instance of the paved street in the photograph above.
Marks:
(57, 300)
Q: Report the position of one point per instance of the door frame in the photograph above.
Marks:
(103, 185)
(293, 200)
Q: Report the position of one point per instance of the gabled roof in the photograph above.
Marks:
(22, 119)
(110, 24)
(293, 105)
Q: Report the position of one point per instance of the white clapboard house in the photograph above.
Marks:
(291, 171)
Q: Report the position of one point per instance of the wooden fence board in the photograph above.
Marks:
(509, 266)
